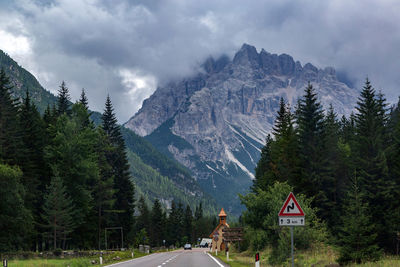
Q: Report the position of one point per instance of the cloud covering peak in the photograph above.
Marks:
(125, 48)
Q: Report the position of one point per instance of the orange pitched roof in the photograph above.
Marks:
(222, 213)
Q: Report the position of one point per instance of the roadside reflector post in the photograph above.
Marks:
(227, 251)
(257, 260)
(5, 263)
(133, 253)
(101, 257)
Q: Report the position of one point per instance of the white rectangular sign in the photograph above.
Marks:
(291, 221)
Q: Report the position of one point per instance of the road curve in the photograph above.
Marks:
(178, 258)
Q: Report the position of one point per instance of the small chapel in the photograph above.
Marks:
(216, 235)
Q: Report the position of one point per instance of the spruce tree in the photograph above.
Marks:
(310, 129)
(372, 163)
(32, 159)
(143, 220)
(330, 180)
(10, 133)
(58, 212)
(357, 236)
(188, 224)
(263, 175)
(72, 154)
(85, 103)
(124, 188)
(64, 100)
(157, 228)
(15, 219)
(103, 189)
(83, 99)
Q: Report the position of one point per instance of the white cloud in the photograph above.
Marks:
(109, 46)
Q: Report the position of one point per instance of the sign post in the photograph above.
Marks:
(291, 214)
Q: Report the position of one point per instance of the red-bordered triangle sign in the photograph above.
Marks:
(291, 207)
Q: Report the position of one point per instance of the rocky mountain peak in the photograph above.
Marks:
(214, 66)
(215, 122)
(247, 55)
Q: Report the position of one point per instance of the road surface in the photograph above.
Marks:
(197, 257)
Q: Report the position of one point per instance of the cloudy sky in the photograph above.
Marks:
(126, 48)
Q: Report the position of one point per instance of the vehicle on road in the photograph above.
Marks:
(187, 246)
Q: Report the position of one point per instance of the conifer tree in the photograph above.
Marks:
(72, 154)
(157, 228)
(85, 103)
(83, 99)
(32, 159)
(58, 212)
(103, 189)
(188, 224)
(63, 100)
(173, 225)
(10, 134)
(331, 158)
(371, 162)
(15, 220)
(310, 129)
(263, 177)
(124, 188)
(357, 237)
(143, 220)
(199, 212)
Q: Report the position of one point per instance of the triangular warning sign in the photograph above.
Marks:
(291, 207)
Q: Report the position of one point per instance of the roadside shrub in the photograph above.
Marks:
(57, 252)
(262, 215)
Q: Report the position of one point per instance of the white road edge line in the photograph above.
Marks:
(215, 260)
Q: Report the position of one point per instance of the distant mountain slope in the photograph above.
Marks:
(23, 80)
(155, 175)
(215, 122)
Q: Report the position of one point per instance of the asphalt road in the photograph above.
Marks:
(196, 257)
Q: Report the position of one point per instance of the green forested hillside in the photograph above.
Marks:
(151, 184)
(153, 164)
(22, 80)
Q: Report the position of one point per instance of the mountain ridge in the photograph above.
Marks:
(225, 112)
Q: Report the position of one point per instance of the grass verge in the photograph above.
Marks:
(318, 256)
(110, 258)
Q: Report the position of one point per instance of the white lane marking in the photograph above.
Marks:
(215, 260)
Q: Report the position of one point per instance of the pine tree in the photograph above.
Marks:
(157, 228)
(199, 212)
(263, 177)
(72, 154)
(188, 224)
(310, 128)
(357, 237)
(118, 160)
(103, 189)
(10, 134)
(143, 220)
(63, 100)
(371, 161)
(85, 103)
(15, 220)
(58, 212)
(32, 159)
(330, 180)
(83, 100)
(173, 230)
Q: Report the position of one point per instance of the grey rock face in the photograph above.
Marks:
(226, 112)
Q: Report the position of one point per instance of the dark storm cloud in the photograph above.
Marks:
(118, 46)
